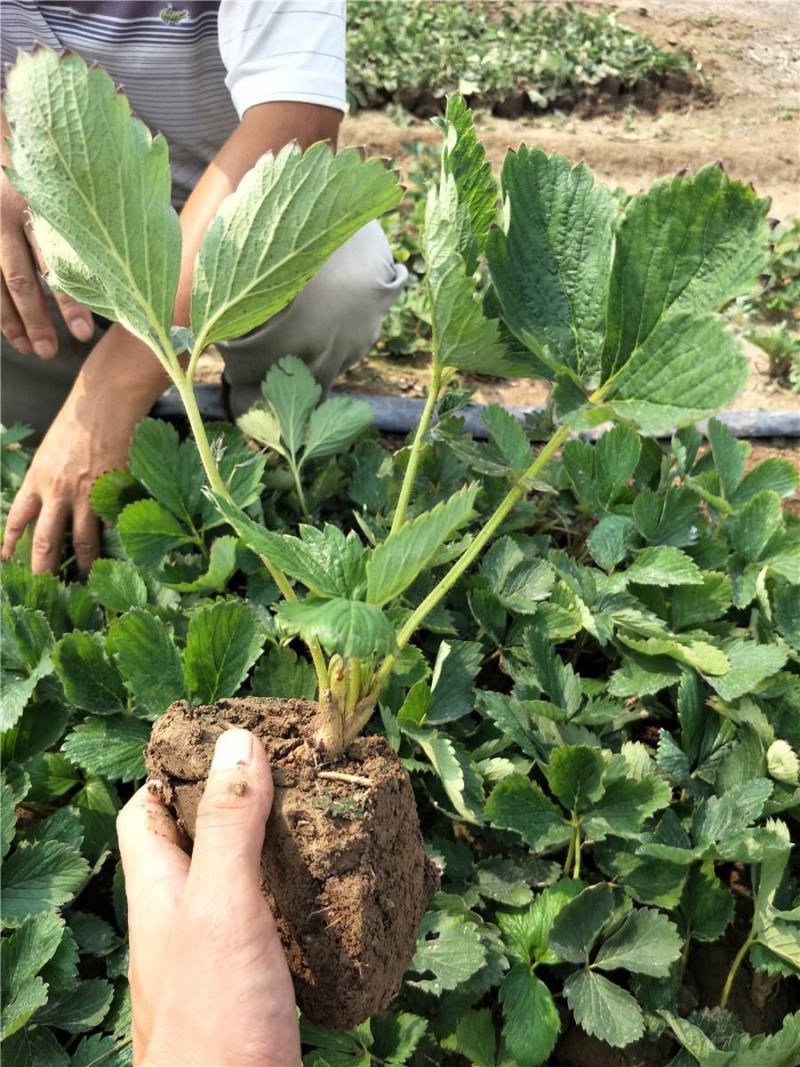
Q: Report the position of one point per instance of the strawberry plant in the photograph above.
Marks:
(585, 655)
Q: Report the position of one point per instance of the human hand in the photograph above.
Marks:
(210, 986)
(91, 434)
(24, 314)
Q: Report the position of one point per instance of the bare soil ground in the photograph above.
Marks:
(750, 119)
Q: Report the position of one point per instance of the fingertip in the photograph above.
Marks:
(80, 328)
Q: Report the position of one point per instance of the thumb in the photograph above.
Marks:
(232, 815)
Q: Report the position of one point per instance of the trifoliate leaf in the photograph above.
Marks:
(117, 585)
(578, 924)
(532, 1023)
(394, 564)
(518, 804)
(102, 183)
(575, 776)
(39, 877)
(112, 746)
(291, 392)
(603, 1009)
(91, 681)
(148, 532)
(223, 642)
(288, 214)
(555, 242)
(646, 943)
(148, 660)
(526, 932)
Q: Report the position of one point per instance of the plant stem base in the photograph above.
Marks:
(344, 866)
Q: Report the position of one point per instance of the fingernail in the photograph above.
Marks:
(22, 344)
(233, 748)
(82, 328)
(44, 349)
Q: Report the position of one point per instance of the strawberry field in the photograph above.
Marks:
(580, 637)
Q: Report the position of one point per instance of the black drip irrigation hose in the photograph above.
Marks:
(400, 414)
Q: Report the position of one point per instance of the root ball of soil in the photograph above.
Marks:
(344, 868)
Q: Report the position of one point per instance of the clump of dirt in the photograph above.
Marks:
(344, 867)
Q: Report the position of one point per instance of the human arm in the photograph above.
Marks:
(121, 378)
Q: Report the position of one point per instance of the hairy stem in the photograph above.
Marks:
(737, 962)
(301, 496)
(416, 448)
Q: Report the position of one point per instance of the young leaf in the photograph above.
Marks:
(349, 627)
(546, 261)
(393, 565)
(532, 1023)
(223, 642)
(112, 746)
(292, 392)
(102, 183)
(720, 227)
(39, 877)
(289, 213)
(603, 1009)
(148, 660)
(646, 943)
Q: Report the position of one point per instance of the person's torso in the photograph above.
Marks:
(166, 58)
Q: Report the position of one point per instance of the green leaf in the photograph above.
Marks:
(117, 585)
(80, 1009)
(754, 526)
(663, 565)
(395, 1037)
(526, 933)
(7, 819)
(546, 260)
(97, 804)
(517, 582)
(148, 532)
(475, 1038)
(102, 183)
(450, 949)
(786, 606)
(463, 157)
(603, 1009)
(701, 655)
(777, 475)
(148, 660)
(23, 1002)
(575, 776)
(282, 673)
(101, 1050)
(578, 924)
(169, 469)
(34, 1046)
(611, 541)
(288, 214)
(454, 766)
(508, 437)
(689, 366)
(223, 642)
(221, 565)
(91, 681)
(616, 456)
(113, 747)
(393, 565)
(693, 604)
(335, 425)
(112, 492)
(751, 664)
(532, 1023)
(520, 805)
(729, 456)
(292, 392)
(718, 226)
(348, 627)
(646, 943)
(28, 949)
(625, 805)
(706, 905)
(452, 682)
(464, 337)
(39, 877)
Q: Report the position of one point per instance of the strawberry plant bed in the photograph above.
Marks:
(584, 653)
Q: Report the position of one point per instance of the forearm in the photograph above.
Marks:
(124, 359)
